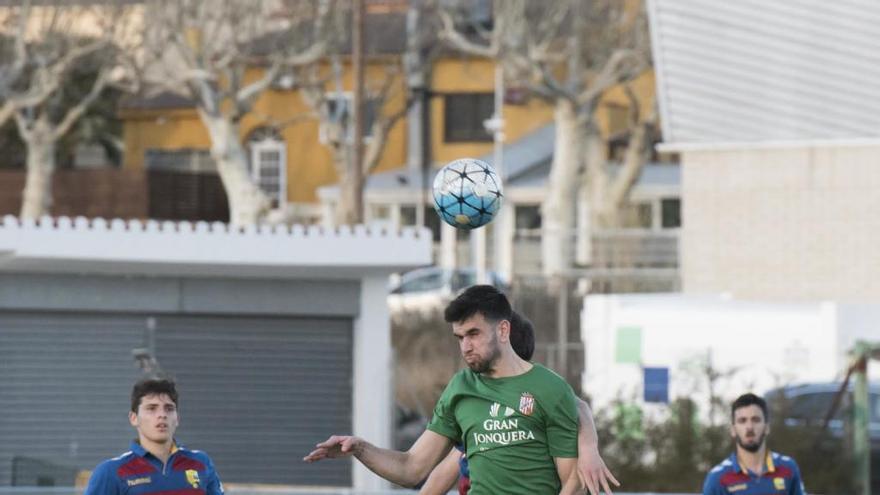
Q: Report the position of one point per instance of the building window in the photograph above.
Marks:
(268, 164)
(528, 217)
(670, 213)
(637, 216)
(464, 114)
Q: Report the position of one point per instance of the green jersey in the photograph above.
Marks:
(511, 429)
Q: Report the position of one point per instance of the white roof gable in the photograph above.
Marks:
(756, 71)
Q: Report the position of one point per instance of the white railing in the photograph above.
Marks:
(622, 260)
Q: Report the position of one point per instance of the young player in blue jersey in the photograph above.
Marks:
(752, 469)
(454, 471)
(156, 463)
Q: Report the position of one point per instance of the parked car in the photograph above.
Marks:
(808, 404)
(425, 289)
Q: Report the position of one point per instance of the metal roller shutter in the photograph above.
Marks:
(65, 381)
(258, 393)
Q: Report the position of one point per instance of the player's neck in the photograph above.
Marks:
(753, 461)
(162, 450)
(509, 365)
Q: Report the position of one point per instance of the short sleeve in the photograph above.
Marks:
(711, 486)
(102, 481)
(562, 426)
(443, 422)
(214, 486)
(797, 483)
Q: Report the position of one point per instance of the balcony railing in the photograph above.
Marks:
(621, 260)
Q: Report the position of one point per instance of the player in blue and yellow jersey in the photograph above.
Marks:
(752, 469)
(156, 463)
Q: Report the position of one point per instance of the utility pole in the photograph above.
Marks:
(357, 52)
(495, 125)
(861, 353)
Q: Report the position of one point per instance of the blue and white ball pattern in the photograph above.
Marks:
(467, 193)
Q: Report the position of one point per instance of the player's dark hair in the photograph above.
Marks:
(152, 386)
(746, 400)
(484, 299)
(522, 336)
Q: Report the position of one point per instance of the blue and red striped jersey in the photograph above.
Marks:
(138, 472)
(781, 477)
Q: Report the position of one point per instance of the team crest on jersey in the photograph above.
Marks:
(526, 404)
(192, 477)
(779, 483)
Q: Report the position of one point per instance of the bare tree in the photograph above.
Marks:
(207, 50)
(388, 98)
(48, 45)
(568, 52)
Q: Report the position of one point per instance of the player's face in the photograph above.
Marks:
(156, 419)
(749, 428)
(478, 342)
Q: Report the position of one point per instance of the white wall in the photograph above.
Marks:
(782, 224)
(373, 414)
(757, 345)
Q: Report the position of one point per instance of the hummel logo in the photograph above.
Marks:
(495, 411)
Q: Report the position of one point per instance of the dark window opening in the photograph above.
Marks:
(463, 117)
(670, 213)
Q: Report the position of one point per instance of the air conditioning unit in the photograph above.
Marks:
(331, 133)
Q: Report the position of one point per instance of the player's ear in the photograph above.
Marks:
(732, 432)
(132, 419)
(504, 330)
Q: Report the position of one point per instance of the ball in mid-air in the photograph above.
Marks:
(467, 193)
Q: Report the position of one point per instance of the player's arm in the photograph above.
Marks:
(102, 482)
(213, 486)
(797, 483)
(444, 477)
(566, 468)
(403, 468)
(591, 469)
(711, 485)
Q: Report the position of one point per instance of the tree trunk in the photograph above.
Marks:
(346, 213)
(592, 194)
(248, 204)
(557, 212)
(37, 196)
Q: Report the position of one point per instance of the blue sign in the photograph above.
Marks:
(657, 385)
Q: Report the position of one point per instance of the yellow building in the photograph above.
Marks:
(165, 133)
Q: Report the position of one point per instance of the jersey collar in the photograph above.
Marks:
(771, 467)
(140, 451)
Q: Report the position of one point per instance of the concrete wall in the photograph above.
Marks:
(783, 224)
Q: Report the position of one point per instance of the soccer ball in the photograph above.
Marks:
(467, 193)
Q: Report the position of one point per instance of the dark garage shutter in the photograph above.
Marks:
(65, 381)
(258, 393)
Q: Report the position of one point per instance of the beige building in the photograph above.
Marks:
(778, 127)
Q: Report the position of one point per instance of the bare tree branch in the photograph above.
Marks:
(453, 37)
(77, 111)
(610, 75)
(634, 158)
